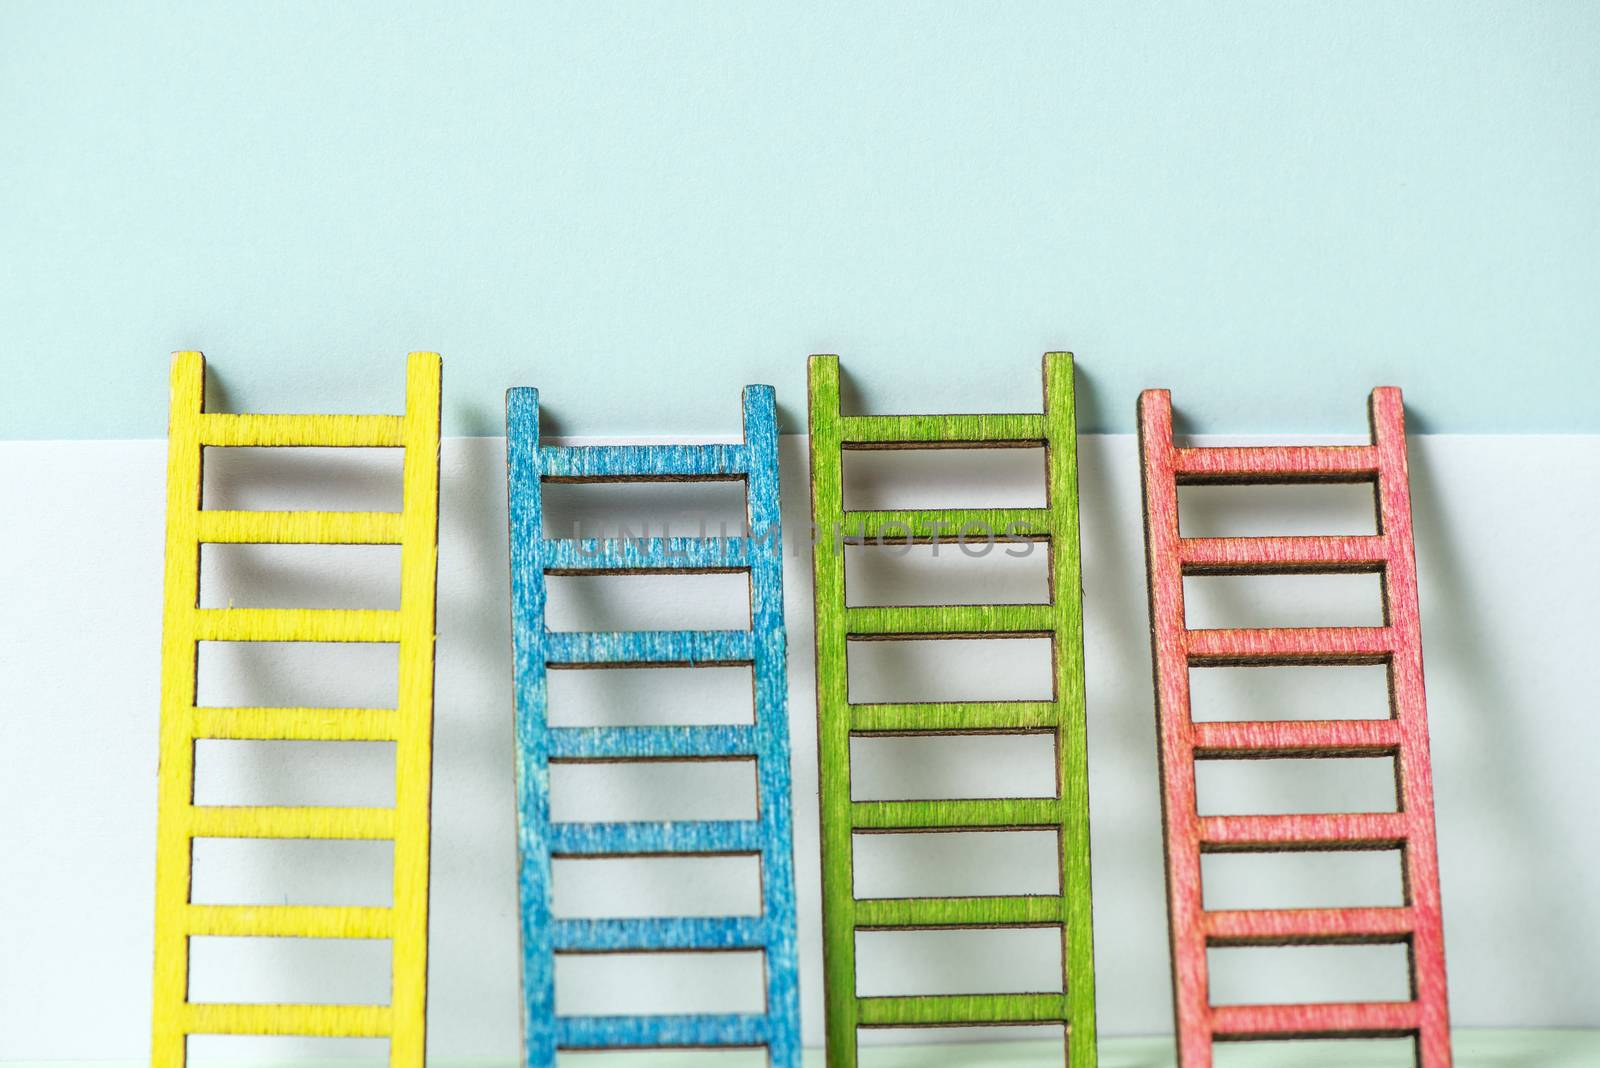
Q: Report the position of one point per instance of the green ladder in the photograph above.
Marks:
(1055, 525)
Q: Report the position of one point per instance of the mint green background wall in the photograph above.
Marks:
(1267, 206)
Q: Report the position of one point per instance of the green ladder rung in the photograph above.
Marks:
(951, 620)
(898, 914)
(954, 717)
(971, 526)
(966, 814)
(962, 1010)
(903, 431)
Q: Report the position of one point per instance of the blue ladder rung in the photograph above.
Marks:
(646, 554)
(643, 462)
(632, 839)
(659, 933)
(649, 647)
(680, 1032)
(652, 743)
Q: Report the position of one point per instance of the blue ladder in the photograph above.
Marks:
(536, 649)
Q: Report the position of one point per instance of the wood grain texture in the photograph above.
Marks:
(409, 724)
(536, 650)
(1063, 716)
(1404, 736)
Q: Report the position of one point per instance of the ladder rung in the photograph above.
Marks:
(290, 921)
(648, 839)
(973, 814)
(1277, 738)
(371, 431)
(1276, 463)
(615, 648)
(659, 933)
(961, 1009)
(895, 527)
(595, 555)
(1382, 1019)
(650, 743)
(297, 528)
(245, 821)
(952, 912)
(297, 625)
(954, 717)
(1355, 831)
(1295, 927)
(670, 1032)
(298, 724)
(912, 431)
(1227, 556)
(642, 463)
(950, 620)
(330, 1021)
(1290, 645)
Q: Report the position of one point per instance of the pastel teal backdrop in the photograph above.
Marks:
(1268, 207)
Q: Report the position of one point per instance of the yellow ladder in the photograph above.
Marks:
(409, 726)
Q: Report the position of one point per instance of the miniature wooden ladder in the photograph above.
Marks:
(1404, 736)
(409, 725)
(1064, 716)
(770, 836)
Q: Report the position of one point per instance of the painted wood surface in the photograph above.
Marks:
(1404, 736)
(409, 724)
(1055, 525)
(765, 741)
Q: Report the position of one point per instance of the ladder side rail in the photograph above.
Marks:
(833, 714)
(525, 497)
(1072, 753)
(1414, 765)
(1175, 732)
(179, 652)
(765, 553)
(419, 568)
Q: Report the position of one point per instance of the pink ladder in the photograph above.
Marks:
(1403, 736)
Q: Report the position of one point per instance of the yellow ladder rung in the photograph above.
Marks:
(321, 1021)
(298, 724)
(297, 625)
(360, 431)
(250, 821)
(290, 921)
(298, 528)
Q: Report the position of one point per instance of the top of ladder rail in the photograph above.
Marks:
(247, 430)
(955, 431)
(269, 430)
(1269, 464)
(691, 462)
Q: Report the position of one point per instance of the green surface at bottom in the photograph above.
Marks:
(1474, 1049)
